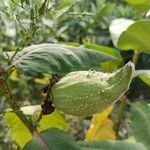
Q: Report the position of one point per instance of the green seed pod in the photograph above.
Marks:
(83, 93)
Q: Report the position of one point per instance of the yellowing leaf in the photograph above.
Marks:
(20, 132)
(41, 80)
(14, 75)
(102, 116)
(101, 127)
(54, 120)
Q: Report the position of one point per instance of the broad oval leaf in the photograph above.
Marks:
(140, 115)
(136, 36)
(55, 139)
(111, 145)
(116, 28)
(84, 93)
(109, 65)
(108, 50)
(141, 5)
(56, 58)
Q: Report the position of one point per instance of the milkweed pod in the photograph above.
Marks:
(83, 93)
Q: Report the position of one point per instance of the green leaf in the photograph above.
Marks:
(62, 7)
(20, 132)
(144, 75)
(136, 37)
(141, 5)
(108, 50)
(55, 58)
(145, 78)
(64, 3)
(55, 140)
(109, 65)
(140, 115)
(111, 145)
(42, 8)
(116, 28)
(149, 105)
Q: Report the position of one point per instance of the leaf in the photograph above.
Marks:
(109, 65)
(19, 131)
(65, 4)
(145, 78)
(136, 37)
(55, 58)
(55, 139)
(140, 115)
(43, 80)
(141, 5)
(55, 119)
(101, 127)
(116, 28)
(108, 50)
(111, 145)
(144, 75)
(14, 76)
(149, 105)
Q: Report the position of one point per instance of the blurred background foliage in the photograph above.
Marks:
(73, 22)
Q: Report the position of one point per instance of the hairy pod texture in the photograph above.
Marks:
(83, 93)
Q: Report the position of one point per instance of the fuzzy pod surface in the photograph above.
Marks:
(83, 93)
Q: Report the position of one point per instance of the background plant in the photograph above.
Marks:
(76, 23)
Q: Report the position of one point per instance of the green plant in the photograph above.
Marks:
(77, 83)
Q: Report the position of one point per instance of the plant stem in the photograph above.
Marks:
(77, 14)
(123, 99)
(120, 115)
(135, 57)
(13, 104)
(24, 42)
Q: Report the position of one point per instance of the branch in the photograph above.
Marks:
(5, 90)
